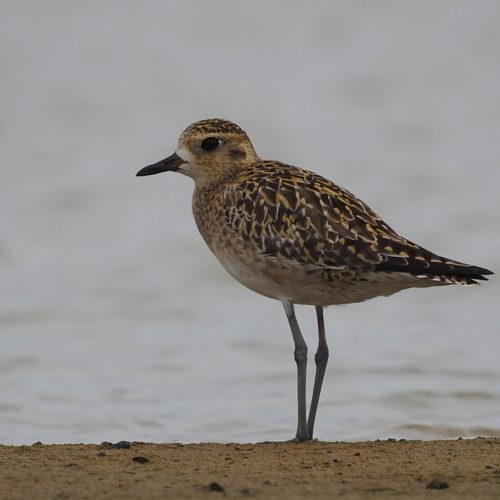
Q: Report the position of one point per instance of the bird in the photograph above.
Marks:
(292, 235)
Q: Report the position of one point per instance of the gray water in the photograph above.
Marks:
(116, 321)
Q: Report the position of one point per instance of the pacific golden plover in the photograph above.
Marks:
(294, 236)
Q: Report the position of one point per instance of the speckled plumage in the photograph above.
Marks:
(293, 235)
(289, 233)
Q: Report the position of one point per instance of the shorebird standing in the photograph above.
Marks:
(294, 236)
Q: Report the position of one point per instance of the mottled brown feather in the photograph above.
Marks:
(299, 215)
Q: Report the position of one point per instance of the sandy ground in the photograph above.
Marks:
(381, 469)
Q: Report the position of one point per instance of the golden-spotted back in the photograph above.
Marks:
(295, 214)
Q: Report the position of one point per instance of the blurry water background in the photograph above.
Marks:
(117, 322)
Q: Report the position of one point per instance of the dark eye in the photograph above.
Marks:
(210, 143)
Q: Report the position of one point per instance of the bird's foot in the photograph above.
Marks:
(301, 439)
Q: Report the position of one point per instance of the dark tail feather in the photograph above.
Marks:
(431, 265)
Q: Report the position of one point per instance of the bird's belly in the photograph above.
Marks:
(262, 275)
(302, 285)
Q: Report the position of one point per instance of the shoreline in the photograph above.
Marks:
(462, 468)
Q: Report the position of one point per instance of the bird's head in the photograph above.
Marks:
(207, 150)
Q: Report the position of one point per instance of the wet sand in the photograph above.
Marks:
(380, 469)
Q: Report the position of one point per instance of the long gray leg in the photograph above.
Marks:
(321, 359)
(300, 355)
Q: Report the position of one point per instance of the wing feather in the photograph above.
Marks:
(290, 213)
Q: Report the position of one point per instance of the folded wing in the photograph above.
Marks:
(290, 213)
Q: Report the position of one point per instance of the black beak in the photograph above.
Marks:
(172, 163)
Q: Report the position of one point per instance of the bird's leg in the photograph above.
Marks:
(300, 355)
(321, 359)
